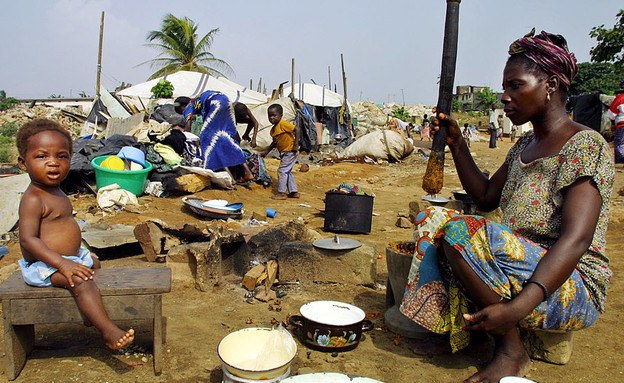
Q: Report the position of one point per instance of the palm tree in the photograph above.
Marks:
(181, 49)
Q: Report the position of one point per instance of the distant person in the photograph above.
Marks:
(425, 130)
(514, 132)
(48, 233)
(467, 134)
(616, 114)
(172, 113)
(493, 128)
(286, 139)
(217, 137)
(243, 115)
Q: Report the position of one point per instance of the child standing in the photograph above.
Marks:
(286, 139)
(48, 233)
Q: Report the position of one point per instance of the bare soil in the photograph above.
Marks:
(197, 321)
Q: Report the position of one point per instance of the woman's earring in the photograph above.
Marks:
(547, 97)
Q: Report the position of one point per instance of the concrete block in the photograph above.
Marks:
(203, 261)
(552, 347)
(301, 261)
(265, 244)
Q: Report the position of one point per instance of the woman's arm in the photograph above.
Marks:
(484, 192)
(582, 199)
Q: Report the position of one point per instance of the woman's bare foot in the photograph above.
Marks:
(510, 359)
(119, 339)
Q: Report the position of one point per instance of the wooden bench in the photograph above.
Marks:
(127, 293)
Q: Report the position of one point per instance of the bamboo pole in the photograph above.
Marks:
(99, 64)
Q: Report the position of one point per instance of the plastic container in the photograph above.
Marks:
(271, 213)
(348, 212)
(133, 181)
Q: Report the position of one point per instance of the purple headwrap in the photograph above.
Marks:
(550, 53)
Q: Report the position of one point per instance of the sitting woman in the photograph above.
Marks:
(217, 138)
(545, 266)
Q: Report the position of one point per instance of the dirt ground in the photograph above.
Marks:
(197, 321)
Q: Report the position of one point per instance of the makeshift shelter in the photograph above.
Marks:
(264, 139)
(326, 108)
(191, 84)
(590, 110)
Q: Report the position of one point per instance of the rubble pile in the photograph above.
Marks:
(24, 113)
(371, 117)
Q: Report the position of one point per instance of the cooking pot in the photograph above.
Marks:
(330, 325)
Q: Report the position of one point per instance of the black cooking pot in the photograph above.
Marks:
(330, 325)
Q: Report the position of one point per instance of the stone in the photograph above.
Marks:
(301, 261)
(203, 261)
(552, 347)
(403, 223)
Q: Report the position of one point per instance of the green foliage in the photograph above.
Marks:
(8, 129)
(6, 154)
(4, 140)
(163, 89)
(55, 96)
(486, 98)
(610, 47)
(603, 77)
(6, 102)
(401, 114)
(457, 106)
(182, 49)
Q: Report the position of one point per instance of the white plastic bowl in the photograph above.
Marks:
(257, 353)
(515, 379)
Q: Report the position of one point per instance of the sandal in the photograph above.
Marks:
(294, 195)
(279, 196)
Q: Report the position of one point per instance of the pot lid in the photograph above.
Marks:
(435, 198)
(337, 243)
(332, 313)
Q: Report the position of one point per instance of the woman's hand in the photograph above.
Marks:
(70, 268)
(454, 135)
(497, 319)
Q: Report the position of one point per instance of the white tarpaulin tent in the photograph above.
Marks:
(193, 84)
(260, 112)
(317, 95)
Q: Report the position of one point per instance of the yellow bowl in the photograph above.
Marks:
(114, 163)
(257, 353)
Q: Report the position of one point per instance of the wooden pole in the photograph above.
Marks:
(99, 64)
(260, 84)
(292, 77)
(329, 76)
(434, 175)
(344, 79)
(251, 84)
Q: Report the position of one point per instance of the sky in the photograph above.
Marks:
(392, 49)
